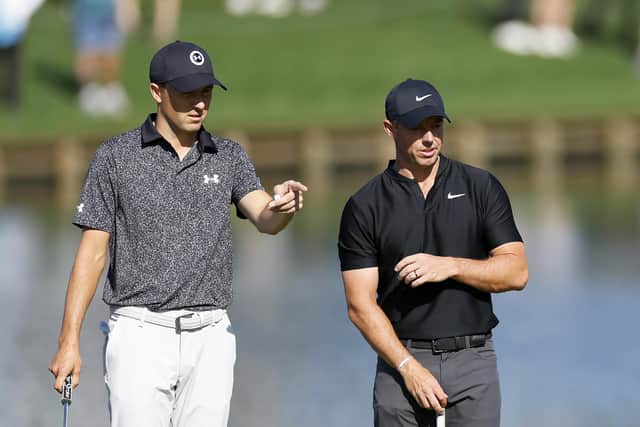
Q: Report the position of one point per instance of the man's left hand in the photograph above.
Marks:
(287, 197)
(417, 269)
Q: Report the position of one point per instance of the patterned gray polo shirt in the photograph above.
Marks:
(169, 220)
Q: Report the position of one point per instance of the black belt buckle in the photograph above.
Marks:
(435, 349)
(477, 340)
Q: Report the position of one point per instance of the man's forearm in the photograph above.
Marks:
(500, 273)
(272, 215)
(79, 296)
(83, 283)
(272, 222)
(87, 268)
(376, 328)
(504, 270)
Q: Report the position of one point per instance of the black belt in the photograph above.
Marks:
(444, 345)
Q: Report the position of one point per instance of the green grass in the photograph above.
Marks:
(332, 70)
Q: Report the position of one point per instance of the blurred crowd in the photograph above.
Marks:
(99, 29)
(547, 33)
(549, 28)
(544, 28)
(14, 19)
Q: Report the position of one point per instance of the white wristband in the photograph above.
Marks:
(404, 361)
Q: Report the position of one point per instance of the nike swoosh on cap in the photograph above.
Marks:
(422, 98)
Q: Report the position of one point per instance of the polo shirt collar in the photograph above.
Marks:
(150, 134)
(442, 169)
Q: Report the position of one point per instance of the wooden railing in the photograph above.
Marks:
(544, 150)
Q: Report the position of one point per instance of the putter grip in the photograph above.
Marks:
(66, 391)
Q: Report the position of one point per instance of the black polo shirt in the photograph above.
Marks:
(466, 214)
(169, 219)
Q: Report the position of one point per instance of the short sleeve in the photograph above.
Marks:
(96, 208)
(499, 225)
(356, 244)
(245, 179)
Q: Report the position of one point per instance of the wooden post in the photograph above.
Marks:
(385, 150)
(472, 144)
(548, 148)
(316, 162)
(69, 164)
(621, 137)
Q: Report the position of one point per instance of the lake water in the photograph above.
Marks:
(567, 346)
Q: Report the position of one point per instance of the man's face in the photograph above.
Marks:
(419, 146)
(185, 112)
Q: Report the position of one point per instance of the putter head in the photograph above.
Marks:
(66, 391)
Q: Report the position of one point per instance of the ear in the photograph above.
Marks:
(156, 90)
(388, 127)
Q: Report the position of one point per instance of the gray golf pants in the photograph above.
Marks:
(469, 377)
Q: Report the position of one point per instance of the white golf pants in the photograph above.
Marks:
(158, 376)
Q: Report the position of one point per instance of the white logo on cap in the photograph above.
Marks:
(422, 98)
(196, 57)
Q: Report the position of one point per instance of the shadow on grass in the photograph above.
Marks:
(59, 79)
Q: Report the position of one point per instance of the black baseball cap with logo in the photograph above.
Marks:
(183, 65)
(412, 101)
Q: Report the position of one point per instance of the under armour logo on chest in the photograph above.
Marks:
(215, 179)
(80, 207)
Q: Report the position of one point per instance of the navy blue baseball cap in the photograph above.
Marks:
(183, 65)
(412, 101)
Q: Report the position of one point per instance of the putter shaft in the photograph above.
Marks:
(440, 419)
(65, 413)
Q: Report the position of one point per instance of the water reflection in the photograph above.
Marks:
(567, 347)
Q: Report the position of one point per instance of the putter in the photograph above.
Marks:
(440, 421)
(66, 399)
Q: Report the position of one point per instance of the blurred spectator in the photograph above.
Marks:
(97, 61)
(166, 14)
(274, 8)
(549, 33)
(14, 19)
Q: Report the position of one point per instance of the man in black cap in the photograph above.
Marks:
(156, 203)
(422, 247)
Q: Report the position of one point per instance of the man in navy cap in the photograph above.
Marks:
(422, 246)
(155, 202)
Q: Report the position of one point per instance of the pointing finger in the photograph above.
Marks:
(297, 186)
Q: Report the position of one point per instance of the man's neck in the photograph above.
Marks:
(425, 177)
(180, 141)
(417, 173)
